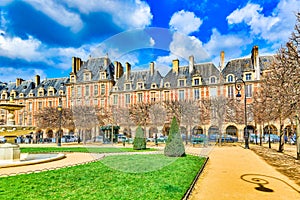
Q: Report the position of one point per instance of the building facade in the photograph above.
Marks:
(103, 83)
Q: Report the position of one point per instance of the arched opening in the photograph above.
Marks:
(197, 130)
(289, 130)
(213, 130)
(152, 132)
(270, 129)
(231, 130)
(250, 129)
(49, 136)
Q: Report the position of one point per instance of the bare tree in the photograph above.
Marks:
(85, 118)
(190, 115)
(139, 114)
(48, 117)
(157, 114)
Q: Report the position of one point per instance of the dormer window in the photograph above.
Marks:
(127, 86)
(51, 91)
(21, 95)
(102, 75)
(87, 76)
(248, 77)
(13, 94)
(115, 88)
(140, 85)
(41, 92)
(4, 95)
(230, 78)
(167, 84)
(153, 85)
(61, 92)
(213, 80)
(181, 82)
(72, 78)
(196, 80)
(31, 94)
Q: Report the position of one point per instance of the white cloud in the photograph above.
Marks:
(232, 44)
(10, 74)
(58, 13)
(185, 22)
(22, 49)
(275, 28)
(5, 2)
(185, 46)
(126, 14)
(151, 41)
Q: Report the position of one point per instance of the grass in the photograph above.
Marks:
(80, 149)
(100, 180)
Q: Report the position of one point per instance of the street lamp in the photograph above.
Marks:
(238, 86)
(59, 108)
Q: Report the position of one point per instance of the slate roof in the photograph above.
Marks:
(140, 76)
(204, 70)
(95, 66)
(240, 65)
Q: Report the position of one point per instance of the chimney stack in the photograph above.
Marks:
(37, 80)
(255, 62)
(18, 82)
(191, 63)
(118, 70)
(151, 68)
(128, 68)
(222, 60)
(106, 60)
(73, 64)
(175, 66)
(78, 64)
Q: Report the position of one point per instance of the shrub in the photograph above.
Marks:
(139, 141)
(174, 145)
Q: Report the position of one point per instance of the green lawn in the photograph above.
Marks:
(80, 149)
(101, 180)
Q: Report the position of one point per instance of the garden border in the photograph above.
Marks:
(189, 191)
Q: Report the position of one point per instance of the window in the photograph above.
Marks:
(127, 98)
(230, 91)
(115, 99)
(51, 93)
(102, 103)
(153, 85)
(248, 77)
(102, 89)
(87, 76)
(196, 81)
(49, 104)
(127, 86)
(103, 75)
(140, 85)
(30, 106)
(196, 94)
(72, 79)
(87, 90)
(248, 91)
(212, 80)
(79, 91)
(181, 95)
(167, 95)
(213, 91)
(95, 90)
(95, 102)
(140, 97)
(40, 105)
(167, 84)
(230, 78)
(181, 83)
(72, 91)
(152, 96)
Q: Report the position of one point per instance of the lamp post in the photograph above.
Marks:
(59, 108)
(238, 86)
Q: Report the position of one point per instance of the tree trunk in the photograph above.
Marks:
(298, 137)
(281, 138)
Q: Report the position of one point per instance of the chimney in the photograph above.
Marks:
(255, 62)
(118, 70)
(191, 63)
(222, 60)
(37, 80)
(18, 82)
(128, 68)
(175, 66)
(106, 60)
(73, 64)
(151, 68)
(78, 64)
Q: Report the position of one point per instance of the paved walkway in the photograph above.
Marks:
(238, 173)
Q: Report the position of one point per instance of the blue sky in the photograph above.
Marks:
(41, 36)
